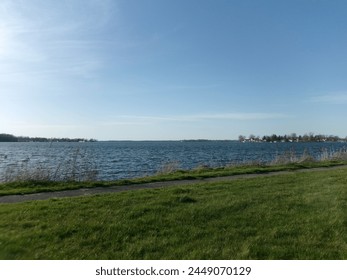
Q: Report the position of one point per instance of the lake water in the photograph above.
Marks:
(129, 159)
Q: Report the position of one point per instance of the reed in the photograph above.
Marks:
(292, 156)
(168, 168)
(77, 167)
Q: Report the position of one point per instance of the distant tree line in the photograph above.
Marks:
(293, 137)
(8, 138)
(11, 138)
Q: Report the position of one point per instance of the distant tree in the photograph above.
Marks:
(333, 138)
(293, 136)
(319, 138)
(242, 138)
(8, 138)
(273, 138)
(305, 138)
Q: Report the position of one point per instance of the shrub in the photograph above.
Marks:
(168, 168)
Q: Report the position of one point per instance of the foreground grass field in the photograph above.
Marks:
(295, 216)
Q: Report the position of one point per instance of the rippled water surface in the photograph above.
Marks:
(127, 159)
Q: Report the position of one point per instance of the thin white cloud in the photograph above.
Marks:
(339, 98)
(205, 117)
(240, 116)
(45, 37)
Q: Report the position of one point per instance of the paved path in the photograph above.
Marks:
(101, 190)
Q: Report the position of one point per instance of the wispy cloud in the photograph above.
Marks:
(206, 117)
(50, 36)
(339, 98)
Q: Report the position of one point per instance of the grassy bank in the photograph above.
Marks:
(36, 186)
(295, 216)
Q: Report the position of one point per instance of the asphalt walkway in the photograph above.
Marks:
(155, 185)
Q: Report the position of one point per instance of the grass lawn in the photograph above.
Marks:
(294, 216)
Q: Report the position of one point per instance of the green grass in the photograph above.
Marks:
(27, 187)
(294, 216)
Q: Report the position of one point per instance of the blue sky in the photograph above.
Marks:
(167, 70)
